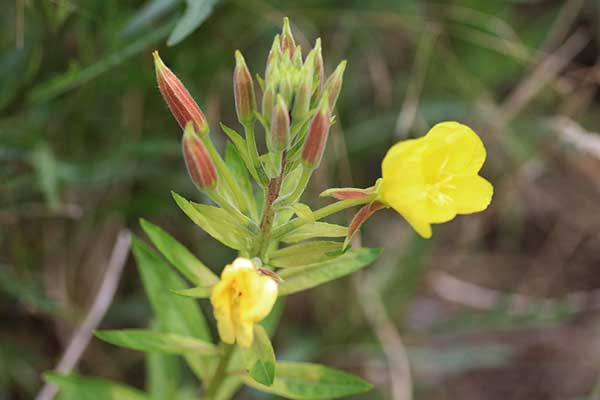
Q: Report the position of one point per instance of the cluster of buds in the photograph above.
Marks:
(295, 111)
(297, 102)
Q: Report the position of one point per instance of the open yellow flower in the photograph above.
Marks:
(431, 179)
(243, 297)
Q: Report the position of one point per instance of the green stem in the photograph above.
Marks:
(220, 373)
(256, 164)
(240, 200)
(319, 214)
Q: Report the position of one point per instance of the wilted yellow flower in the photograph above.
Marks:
(431, 179)
(243, 297)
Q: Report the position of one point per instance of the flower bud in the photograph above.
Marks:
(180, 102)
(302, 98)
(268, 101)
(288, 44)
(243, 88)
(316, 138)
(197, 160)
(334, 84)
(304, 90)
(280, 127)
(319, 66)
(272, 60)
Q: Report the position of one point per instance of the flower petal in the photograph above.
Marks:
(471, 193)
(466, 152)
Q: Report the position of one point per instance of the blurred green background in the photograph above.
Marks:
(498, 305)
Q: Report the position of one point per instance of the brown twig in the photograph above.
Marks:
(82, 336)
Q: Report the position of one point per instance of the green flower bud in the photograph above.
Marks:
(268, 101)
(288, 44)
(333, 86)
(319, 67)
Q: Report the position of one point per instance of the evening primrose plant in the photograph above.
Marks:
(283, 245)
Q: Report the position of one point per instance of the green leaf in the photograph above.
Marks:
(196, 13)
(179, 256)
(304, 212)
(152, 341)
(163, 374)
(238, 141)
(175, 314)
(240, 172)
(305, 253)
(93, 388)
(215, 221)
(259, 358)
(305, 381)
(200, 292)
(317, 229)
(301, 278)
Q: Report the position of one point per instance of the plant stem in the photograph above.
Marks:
(268, 213)
(220, 373)
(320, 213)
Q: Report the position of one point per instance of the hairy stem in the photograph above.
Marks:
(268, 213)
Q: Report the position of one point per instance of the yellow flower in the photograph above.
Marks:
(431, 179)
(243, 297)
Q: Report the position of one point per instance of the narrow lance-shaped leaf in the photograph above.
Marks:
(152, 341)
(301, 278)
(305, 381)
(240, 172)
(305, 253)
(317, 229)
(163, 373)
(215, 221)
(175, 313)
(200, 292)
(179, 256)
(259, 358)
(75, 387)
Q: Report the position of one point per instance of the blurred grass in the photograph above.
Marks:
(88, 147)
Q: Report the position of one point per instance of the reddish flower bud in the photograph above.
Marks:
(243, 88)
(180, 102)
(197, 160)
(348, 193)
(288, 44)
(316, 138)
(280, 127)
(334, 84)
